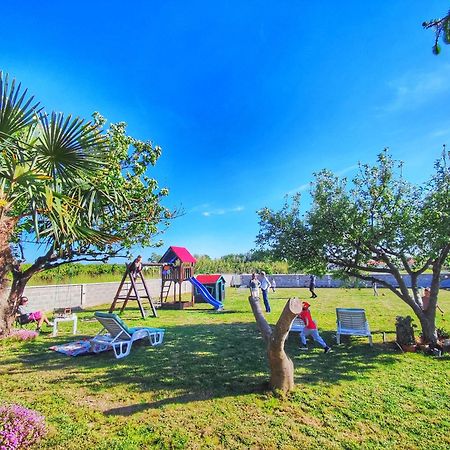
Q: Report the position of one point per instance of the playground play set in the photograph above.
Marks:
(215, 284)
(177, 266)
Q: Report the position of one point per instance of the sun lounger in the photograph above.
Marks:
(116, 335)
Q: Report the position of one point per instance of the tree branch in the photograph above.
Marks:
(350, 264)
(50, 260)
(425, 266)
(261, 321)
(291, 310)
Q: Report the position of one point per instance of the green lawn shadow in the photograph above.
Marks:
(195, 363)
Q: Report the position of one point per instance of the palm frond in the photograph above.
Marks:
(17, 109)
(68, 147)
(61, 228)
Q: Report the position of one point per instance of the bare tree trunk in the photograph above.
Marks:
(428, 324)
(426, 318)
(280, 365)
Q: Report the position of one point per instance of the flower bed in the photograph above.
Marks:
(20, 427)
(23, 334)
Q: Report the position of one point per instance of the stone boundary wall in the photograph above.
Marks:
(327, 281)
(47, 298)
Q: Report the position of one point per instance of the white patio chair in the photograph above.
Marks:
(297, 325)
(352, 322)
(119, 337)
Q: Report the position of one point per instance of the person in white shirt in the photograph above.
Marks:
(265, 285)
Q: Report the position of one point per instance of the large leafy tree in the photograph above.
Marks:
(377, 224)
(79, 191)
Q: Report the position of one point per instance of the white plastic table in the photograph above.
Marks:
(72, 318)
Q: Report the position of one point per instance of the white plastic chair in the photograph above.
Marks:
(352, 322)
(297, 325)
(119, 337)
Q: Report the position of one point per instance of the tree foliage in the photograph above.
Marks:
(441, 30)
(75, 188)
(379, 223)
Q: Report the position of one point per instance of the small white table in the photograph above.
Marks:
(72, 318)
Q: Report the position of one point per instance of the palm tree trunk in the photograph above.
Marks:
(7, 262)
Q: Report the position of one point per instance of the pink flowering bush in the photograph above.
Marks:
(20, 427)
(23, 334)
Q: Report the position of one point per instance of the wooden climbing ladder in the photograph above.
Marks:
(165, 289)
(131, 288)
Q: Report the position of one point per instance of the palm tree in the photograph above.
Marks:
(48, 167)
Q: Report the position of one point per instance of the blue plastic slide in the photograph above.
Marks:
(205, 294)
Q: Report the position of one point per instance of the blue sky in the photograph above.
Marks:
(247, 98)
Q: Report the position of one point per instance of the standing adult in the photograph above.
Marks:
(375, 288)
(265, 285)
(312, 286)
(254, 286)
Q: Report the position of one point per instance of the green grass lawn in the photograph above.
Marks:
(205, 387)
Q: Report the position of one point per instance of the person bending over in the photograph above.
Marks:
(310, 329)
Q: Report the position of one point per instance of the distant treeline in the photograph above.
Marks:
(247, 263)
(75, 270)
(239, 263)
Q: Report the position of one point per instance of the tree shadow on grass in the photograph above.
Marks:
(214, 311)
(351, 360)
(183, 399)
(195, 363)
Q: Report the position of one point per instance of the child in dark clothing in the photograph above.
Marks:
(136, 267)
(312, 286)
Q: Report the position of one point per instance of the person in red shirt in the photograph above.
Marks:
(310, 329)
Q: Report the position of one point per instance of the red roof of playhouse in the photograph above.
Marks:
(181, 253)
(208, 279)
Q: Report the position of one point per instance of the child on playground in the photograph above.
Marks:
(310, 329)
(136, 267)
(27, 316)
